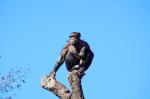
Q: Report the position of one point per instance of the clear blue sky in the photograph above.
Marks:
(33, 32)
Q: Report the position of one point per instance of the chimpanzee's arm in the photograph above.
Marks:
(61, 59)
(86, 56)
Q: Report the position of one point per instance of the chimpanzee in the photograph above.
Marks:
(76, 54)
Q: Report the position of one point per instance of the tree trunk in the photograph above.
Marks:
(60, 90)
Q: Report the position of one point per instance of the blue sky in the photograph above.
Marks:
(33, 32)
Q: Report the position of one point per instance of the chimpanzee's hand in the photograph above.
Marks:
(52, 74)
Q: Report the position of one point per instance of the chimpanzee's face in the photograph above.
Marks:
(74, 40)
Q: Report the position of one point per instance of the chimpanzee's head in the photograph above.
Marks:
(74, 38)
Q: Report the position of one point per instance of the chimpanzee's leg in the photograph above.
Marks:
(71, 61)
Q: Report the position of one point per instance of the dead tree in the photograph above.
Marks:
(60, 90)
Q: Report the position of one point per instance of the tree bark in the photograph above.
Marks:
(60, 90)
